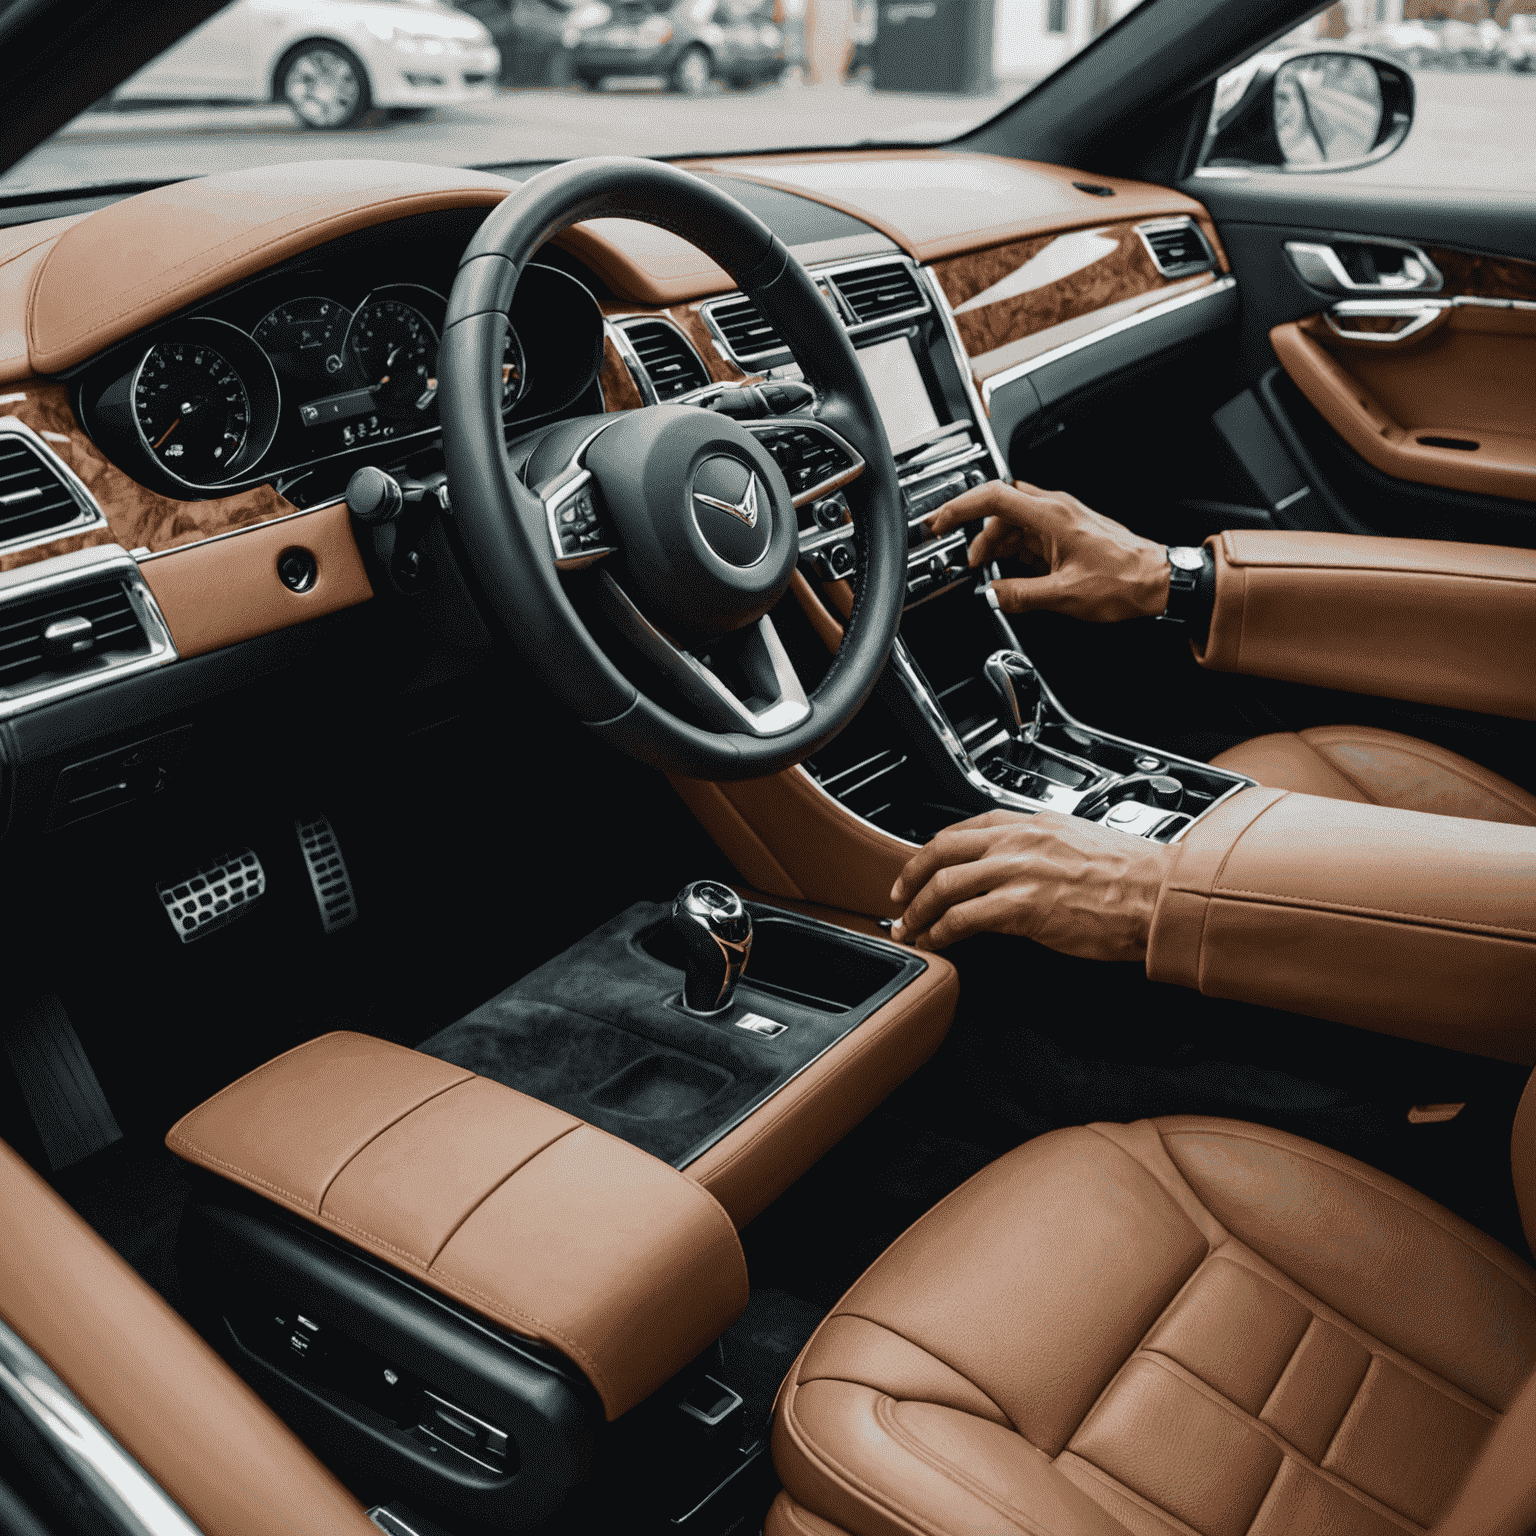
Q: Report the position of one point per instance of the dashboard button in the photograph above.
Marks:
(296, 569)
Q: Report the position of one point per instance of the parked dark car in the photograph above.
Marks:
(530, 36)
(691, 44)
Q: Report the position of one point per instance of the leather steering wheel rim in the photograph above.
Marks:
(504, 526)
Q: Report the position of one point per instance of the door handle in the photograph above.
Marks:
(1385, 320)
(1320, 266)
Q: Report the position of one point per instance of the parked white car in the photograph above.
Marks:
(332, 61)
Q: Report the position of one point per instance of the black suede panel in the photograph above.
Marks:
(599, 1032)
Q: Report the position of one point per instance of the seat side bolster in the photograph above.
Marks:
(1392, 920)
(876, 1466)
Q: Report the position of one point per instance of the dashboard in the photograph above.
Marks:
(299, 375)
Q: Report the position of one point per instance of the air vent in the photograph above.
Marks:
(879, 293)
(672, 366)
(1178, 248)
(47, 638)
(746, 333)
(34, 499)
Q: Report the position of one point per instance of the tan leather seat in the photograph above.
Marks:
(1360, 763)
(1176, 1326)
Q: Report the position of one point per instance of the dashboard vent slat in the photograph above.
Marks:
(24, 653)
(33, 499)
(672, 366)
(746, 332)
(879, 293)
(1177, 250)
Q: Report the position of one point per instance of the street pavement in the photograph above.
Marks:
(1472, 130)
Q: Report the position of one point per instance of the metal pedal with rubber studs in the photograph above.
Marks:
(214, 895)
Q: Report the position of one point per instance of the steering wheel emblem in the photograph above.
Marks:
(746, 509)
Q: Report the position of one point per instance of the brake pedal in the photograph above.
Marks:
(62, 1092)
(328, 875)
(214, 895)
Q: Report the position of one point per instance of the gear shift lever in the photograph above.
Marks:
(716, 931)
(1012, 675)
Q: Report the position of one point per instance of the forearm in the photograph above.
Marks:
(1413, 619)
(1413, 925)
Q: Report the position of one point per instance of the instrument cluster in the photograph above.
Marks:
(311, 366)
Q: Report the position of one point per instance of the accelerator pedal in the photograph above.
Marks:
(328, 875)
(57, 1081)
(214, 895)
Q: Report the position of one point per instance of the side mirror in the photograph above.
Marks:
(1312, 111)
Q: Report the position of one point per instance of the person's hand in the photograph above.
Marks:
(1073, 885)
(1095, 568)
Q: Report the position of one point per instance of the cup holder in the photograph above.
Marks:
(658, 1087)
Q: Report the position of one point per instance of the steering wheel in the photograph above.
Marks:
(676, 517)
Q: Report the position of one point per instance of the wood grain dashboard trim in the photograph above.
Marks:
(1478, 275)
(137, 517)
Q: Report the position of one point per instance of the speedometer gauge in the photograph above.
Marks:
(192, 410)
(394, 349)
(514, 371)
(303, 337)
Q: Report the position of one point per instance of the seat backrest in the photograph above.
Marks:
(1499, 1496)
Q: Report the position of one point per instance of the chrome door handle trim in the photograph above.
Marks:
(1420, 314)
(1317, 264)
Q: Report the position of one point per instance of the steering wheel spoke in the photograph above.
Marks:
(579, 532)
(816, 460)
(777, 701)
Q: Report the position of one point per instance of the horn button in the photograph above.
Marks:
(703, 515)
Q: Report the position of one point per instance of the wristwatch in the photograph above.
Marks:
(1191, 585)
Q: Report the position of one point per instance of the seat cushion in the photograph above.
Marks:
(1178, 1325)
(1357, 762)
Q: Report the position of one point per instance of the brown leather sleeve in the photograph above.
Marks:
(1409, 924)
(1416, 619)
(748, 1169)
(546, 1225)
(172, 1404)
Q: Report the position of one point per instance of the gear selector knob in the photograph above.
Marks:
(716, 930)
(1014, 679)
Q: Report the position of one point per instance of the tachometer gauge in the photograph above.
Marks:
(192, 410)
(394, 350)
(514, 371)
(304, 337)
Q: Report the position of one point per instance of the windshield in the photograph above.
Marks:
(496, 82)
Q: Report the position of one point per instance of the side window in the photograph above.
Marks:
(1472, 64)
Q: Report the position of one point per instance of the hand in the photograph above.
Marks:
(1073, 885)
(1095, 567)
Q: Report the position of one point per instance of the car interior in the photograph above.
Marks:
(478, 632)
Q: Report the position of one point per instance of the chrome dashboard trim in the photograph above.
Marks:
(979, 412)
(89, 516)
(133, 1502)
(1224, 284)
(79, 566)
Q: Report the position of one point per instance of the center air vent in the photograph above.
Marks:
(880, 293)
(58, 633)
(672, 366)
(746, 333)
(1177, 247)
(34, 496)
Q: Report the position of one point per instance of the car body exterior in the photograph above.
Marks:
(689, 43)
(331, 60)
(530, 35)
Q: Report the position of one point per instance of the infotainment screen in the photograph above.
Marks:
(899, 392)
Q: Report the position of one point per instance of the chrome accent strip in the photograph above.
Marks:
(79, 566)
(144, 556)
(1183, 268)
(1222, 285)
(1419, 313)
(770, 669)
(89, 517)
(979, 411)
(808, 424)
(118, 1485)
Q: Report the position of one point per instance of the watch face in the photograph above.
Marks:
(1185, 558)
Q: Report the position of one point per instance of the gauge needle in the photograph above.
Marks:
(169, 430)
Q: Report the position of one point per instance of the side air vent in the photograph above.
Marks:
(746, 332)
(880, 293)
(35, 497)
(66, 630)
(670, 363)
(1177, 247)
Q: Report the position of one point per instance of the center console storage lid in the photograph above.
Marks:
(518, 1211)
